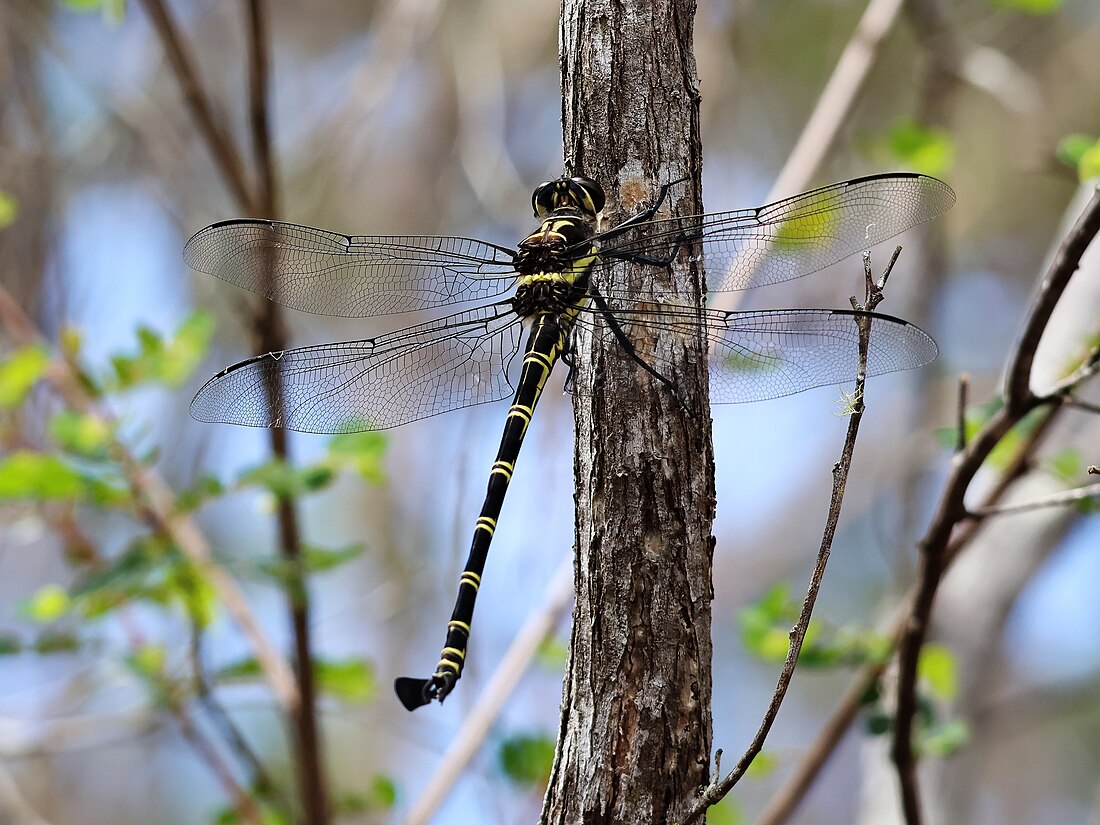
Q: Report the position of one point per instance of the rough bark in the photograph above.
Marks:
(635, 733)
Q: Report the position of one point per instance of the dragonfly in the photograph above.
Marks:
(515, 312)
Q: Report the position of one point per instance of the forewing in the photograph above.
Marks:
(792, 237)
(327, 273)
(382, 382)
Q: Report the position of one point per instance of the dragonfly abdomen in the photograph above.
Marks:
(547, 339)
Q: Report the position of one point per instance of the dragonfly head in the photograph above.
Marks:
(579, 193)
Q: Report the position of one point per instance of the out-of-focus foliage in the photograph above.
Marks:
(1082, 152)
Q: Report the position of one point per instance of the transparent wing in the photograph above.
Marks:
(452, 362)
(327, 273)
(771, 353)
(792, 237)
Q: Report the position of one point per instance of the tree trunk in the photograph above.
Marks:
(635, 735)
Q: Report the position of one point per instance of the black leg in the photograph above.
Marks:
(620, 336)
(644, 215)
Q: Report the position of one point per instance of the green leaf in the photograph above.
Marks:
(276, 476)
(381, 794)
(320, 559)
(48, 604)
(726, 812)
(921, 148)
(29, 475)
(19, 372)
(939, 671)
(191, 590)
(1073, 147)
(316, 477)
(812, 224)
(879, 723)
(86, 435)
(127, 571)
(269, 815)
(10, 644)
(56, 641)
(168, 362)
(350, 680)
(285, 481)
(526, 759)
(191, 499)
(1028, 6)
(945, 739)
(362, 453)
(1066, 465)
(148, 661)
(1088, 167)
(765, 625)
(9, 209)
(763, 765)
(242, 670)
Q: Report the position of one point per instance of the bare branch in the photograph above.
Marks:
(716, 790)
(1019, 400)
(961, 403)
(221, 147)
(1055, 500)
(798, 783)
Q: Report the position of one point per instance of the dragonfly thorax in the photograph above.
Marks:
(547, 293)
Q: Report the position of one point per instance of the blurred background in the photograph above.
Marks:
(418, 116)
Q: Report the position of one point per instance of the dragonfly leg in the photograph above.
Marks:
(645, 214)
(625, 343)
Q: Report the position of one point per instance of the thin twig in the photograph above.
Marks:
(716, 790)
(1053, 500)
(270, 336)
(1081, 404)
(261, 781)
(961, 403)
(259, 118)
(794, 788)
(1019, 400)
(832, 110)
(183, 64)
(243, 802)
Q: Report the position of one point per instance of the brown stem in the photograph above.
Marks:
(717, 790)
(270, 334)
(183, 64)
(1019, 400)
(794, 789)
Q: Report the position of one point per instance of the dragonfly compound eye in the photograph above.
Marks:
(589, 194)
(580, 193)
